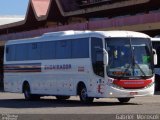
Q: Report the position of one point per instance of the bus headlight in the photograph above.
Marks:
(116, 86)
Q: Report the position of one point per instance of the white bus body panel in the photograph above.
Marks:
(49, 80)
(64, 81)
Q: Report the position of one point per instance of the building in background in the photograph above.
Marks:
(55, 15)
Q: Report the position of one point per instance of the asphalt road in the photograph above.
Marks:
(15, 103)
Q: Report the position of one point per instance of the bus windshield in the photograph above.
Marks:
(129, 58)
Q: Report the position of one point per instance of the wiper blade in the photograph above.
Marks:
(140, 69)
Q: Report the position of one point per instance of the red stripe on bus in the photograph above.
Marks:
(132, 84)
(29, 67)
(21, 71)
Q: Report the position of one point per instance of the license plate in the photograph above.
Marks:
(133, 93)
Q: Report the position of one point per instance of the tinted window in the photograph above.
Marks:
(21, 51)
(63, 49)
(80, 48)
(48, 50)
(77, 48)
(10, 53)
(34, 51)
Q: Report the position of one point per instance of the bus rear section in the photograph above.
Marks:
(90, 64)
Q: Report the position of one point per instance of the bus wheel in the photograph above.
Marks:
(124, 100)
(27, 92)
(84, 96)
(62, 97)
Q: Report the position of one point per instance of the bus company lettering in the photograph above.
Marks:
(58, 67)
(127, 83)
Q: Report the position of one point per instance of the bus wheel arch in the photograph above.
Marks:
(27, 92)
(79, 86)
(82, 92)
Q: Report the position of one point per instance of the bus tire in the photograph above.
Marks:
(27, 93)
(124, 100)
(62, 97)
(84, 96)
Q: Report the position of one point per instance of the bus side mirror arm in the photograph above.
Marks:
(155, 58)
(105, 53)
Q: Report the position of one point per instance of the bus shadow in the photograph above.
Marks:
(53, 103)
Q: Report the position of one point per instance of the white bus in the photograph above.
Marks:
(102, 64)
(156, 46)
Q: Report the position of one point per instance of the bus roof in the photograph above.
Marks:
(79, 34)
(155, 39)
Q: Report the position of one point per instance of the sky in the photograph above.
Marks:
(13, 7)
(12, 10)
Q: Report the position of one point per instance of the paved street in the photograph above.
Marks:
(15, 103)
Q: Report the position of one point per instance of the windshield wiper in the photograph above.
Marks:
(144, 75)
(134, 62)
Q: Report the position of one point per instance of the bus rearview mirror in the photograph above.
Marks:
(105, 57)
(155, 57)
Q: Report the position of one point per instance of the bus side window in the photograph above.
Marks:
(33, 51)
(97, 56)
(63, 49)
(10, 53)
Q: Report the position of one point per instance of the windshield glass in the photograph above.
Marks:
(129, 58)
